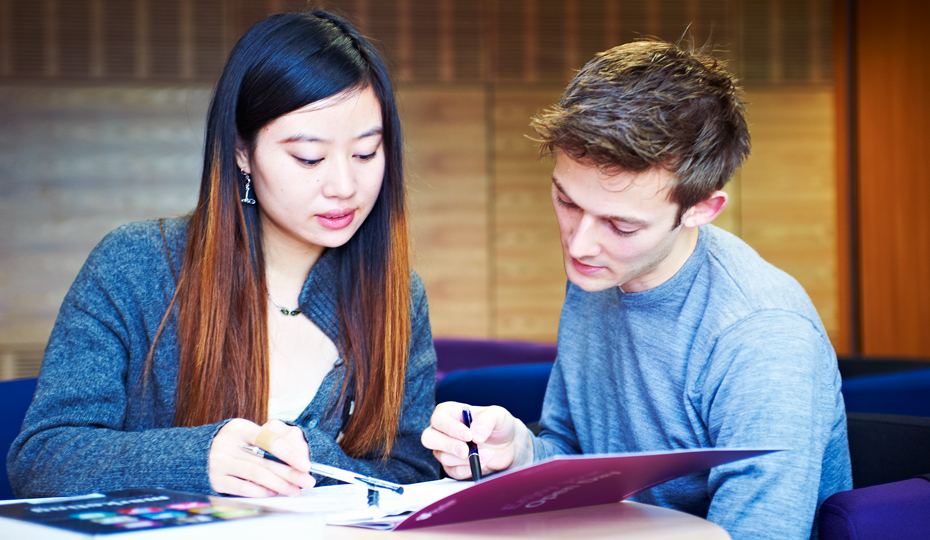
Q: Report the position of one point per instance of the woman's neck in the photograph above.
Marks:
(287, 265)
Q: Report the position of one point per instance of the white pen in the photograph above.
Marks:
(334, 472)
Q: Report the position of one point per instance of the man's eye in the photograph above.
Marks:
(621, 232)
(566, 204)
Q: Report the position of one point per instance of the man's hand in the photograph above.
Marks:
(503, 441)
(235, 471)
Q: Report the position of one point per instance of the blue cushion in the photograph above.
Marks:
(519, 389)
(895, 511)
(906, 393)
(15, 397)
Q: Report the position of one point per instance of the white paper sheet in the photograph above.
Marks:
(346, 503)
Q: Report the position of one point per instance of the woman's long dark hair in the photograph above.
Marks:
(282, 64)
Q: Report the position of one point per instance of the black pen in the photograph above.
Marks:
(333, 472)
(473, 460)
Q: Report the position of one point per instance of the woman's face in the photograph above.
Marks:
(317, 171)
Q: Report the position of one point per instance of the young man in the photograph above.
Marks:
(674, 334)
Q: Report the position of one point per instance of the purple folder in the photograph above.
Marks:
(569, 482)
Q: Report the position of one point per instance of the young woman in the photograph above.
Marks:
(281, 313)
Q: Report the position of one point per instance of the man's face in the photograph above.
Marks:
(617, 229)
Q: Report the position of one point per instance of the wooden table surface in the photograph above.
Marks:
(626, 520)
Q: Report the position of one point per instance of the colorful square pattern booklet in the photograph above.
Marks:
(175, 514)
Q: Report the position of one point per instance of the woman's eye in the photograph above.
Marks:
(309, 162)
(368, 157)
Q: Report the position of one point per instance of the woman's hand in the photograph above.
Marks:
(236, 471)
(502, 440)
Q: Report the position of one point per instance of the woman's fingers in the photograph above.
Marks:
(232, 469)
(290, 446)
(230, 485)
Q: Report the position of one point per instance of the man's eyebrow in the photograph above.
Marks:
(302, 137)
(628, 220)
(558, 186)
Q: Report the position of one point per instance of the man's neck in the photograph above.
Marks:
(682, 249)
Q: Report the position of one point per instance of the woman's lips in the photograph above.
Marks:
(336, 219)
(584, 268)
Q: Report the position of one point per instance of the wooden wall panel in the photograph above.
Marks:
(449, 193)
(893, 85)
(529, 278)
(76, 163)
(845, 340)
(788, 206)
(82, 149)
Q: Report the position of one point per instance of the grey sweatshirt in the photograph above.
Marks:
(728, 353)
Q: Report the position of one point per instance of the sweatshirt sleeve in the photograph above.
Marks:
(82, 432)
(557, 430)
(409, 460)
(764, 388)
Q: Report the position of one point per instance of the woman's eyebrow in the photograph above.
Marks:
(303, 137)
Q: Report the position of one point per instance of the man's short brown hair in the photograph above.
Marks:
(652, 104)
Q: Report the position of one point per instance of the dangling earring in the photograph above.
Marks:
(248, 183)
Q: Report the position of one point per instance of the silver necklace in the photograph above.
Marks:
(282, 309)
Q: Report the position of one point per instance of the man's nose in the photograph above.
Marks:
(583, 241)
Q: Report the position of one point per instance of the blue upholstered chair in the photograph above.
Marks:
(519, 389)
(512, 374)
(902, 393)
(893, 511)
(15, 397)
(890, 499)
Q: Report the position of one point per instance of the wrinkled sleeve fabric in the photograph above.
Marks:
(763, 389)
(409, 460)
(557, 431)
(79, 435)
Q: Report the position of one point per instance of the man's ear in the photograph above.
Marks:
(705, 211)
(242, 154)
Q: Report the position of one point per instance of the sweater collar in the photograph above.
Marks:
(318, 295)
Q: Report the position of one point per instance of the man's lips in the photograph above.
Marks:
(336, 219)
(585, 268)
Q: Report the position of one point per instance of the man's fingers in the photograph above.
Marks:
(448, 460)
(447, 418)
(438, 441)
(458, 472)
(492, 420)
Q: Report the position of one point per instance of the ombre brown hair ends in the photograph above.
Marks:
(282, 64)
(652, 104)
